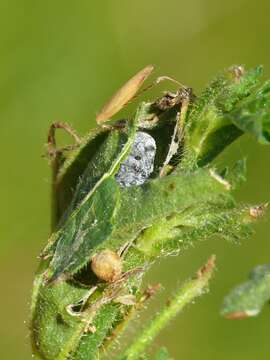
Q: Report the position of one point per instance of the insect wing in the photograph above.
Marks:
(123, 95)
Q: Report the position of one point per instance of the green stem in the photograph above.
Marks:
(185, 295)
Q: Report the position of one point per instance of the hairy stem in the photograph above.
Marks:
(185, 295)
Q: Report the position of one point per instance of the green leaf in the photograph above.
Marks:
(252, 116)
(90, 223)
(52, 326)
(196, 225)
(210, 128)
(165, 203)
(89, 230)
(85, 231)
(248, 299)
(65, 177)
(180, 209)
(104, 150)
(90, 343)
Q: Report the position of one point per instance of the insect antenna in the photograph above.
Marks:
(155, 83)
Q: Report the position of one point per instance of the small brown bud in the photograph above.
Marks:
(258, 211)
(107, 265)
(238, 72)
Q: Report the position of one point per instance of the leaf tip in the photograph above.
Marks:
(239, 315)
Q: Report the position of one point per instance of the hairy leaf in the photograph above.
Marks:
(210, 128)
(253, 115)
(91, 221)
(248, 299)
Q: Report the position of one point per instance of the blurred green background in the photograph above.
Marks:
(61, 60)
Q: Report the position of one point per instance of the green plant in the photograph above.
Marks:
(75, 313)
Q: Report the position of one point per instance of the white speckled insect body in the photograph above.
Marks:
(139, 165)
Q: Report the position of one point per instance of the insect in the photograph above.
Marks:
(128, 91)
(124, 95)
(170, 99)
(139, 164)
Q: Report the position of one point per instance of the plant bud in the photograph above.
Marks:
(107, 265)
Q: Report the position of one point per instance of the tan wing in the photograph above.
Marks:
(123, 95)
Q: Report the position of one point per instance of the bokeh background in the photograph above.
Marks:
(61, 60)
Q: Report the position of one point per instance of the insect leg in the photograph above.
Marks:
(51, 140)
(157, 81)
